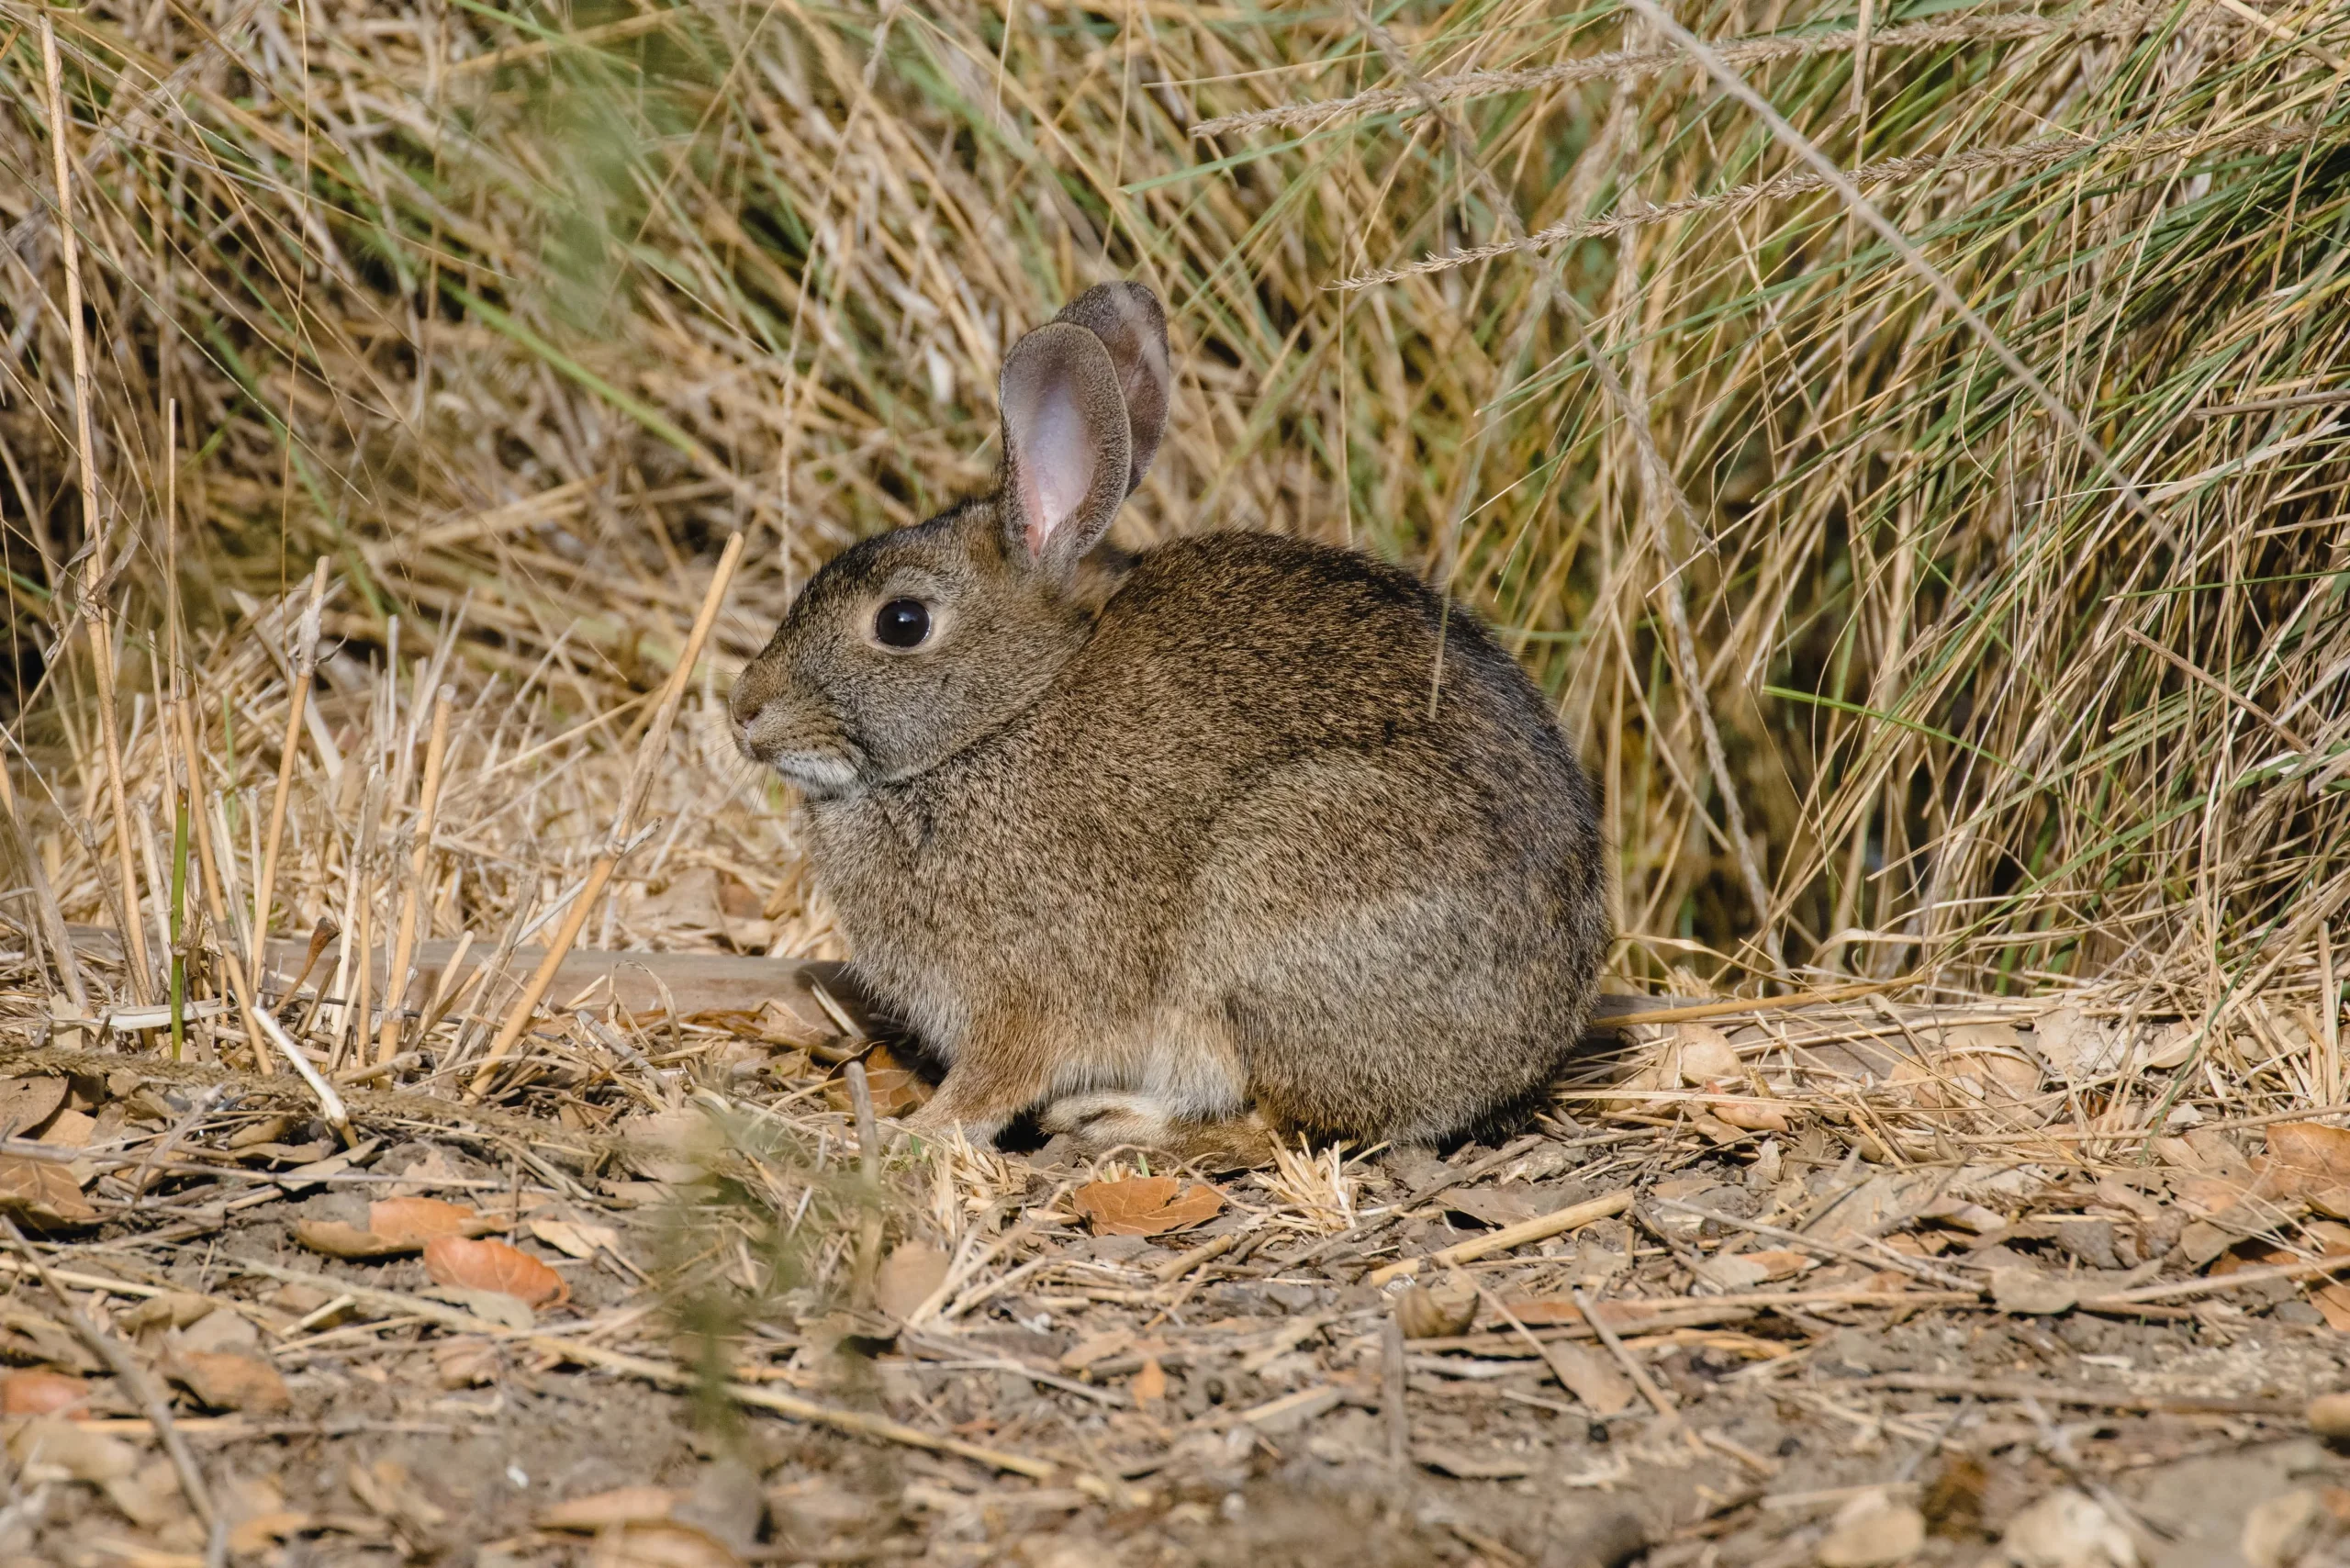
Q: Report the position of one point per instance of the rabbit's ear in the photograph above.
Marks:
(1127, 318)
(1066, 447)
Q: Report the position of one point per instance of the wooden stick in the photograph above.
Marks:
(94, 570)
(306, 669)
(2216, 1284)
(419, 866)
(652, 748)
(1887, 1259)
(2098, 1399)
(1540, 1228)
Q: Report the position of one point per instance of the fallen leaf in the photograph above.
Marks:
(667, 1544)
(151, 1498)
(340, 1238)
(37, 1393)
(1150, 1382)
(221, 1328)
(907, 1277)
(1869, 1531)
(2029, 1293)
(1438, 1311)
(412, 1222)
(2333, 1302)
(491, 1307)
(27, 1103)
(1591, 1377)
(1753, 1115)
(896, 1087)
(1707, 1057)
(1499, 1206)
(1095, 1347)
(69, 1129)
(2305, 1158)
(226, 1380)
(605, 1510)
(575, 1239)
(469, 1264)
(42, 1193)
(52, 1448)
(465, 1363)
(1147, 1205)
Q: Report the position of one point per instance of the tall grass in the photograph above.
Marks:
(1884, 665)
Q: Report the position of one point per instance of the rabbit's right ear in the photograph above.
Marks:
(1067, 450)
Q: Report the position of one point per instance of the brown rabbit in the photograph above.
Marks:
(1144, 843)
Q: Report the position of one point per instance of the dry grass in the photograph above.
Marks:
(514, 316)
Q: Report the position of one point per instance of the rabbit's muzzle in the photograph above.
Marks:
(779, 733)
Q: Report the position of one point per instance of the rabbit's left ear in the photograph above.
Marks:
(1126, 317)
(1067, 450)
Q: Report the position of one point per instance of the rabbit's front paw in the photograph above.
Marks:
(940, 1120)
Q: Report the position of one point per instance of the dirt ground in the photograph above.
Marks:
(1868, 1378)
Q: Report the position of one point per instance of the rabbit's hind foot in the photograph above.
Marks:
(1103, 1124)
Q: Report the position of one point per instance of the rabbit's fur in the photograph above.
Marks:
(1240, 835)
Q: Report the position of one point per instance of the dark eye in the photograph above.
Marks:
(902, 623)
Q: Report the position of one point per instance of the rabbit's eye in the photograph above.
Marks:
(902, 623)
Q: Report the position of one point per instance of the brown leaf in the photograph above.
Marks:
(1753, 1115)
(575, 1239)
(2305, 1158)
(42, 1193)
(70, 1129)
(907, 1277)
(1439, 1310)
(668, 1545)
(896, 1087)
(412, 1222)
(1150, 1382)
(27, 1103)
(493, 1266)
(57, 1446)
(2333, 1302)
(340, 1238)
(1591, 1377)
(1147, 1205)
(226, 1380)
(36, 1393)
(1499, 1206)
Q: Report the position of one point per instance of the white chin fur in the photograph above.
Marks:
(817, 773)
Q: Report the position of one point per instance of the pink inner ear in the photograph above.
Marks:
(1056, 465)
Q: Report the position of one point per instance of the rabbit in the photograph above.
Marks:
(1236, 839)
